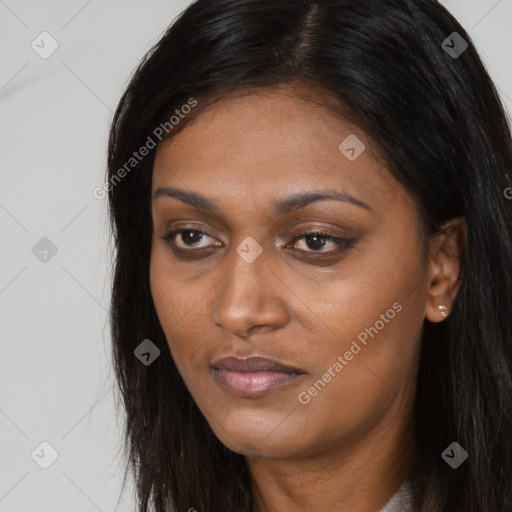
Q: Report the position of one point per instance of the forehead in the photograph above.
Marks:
(261, 144)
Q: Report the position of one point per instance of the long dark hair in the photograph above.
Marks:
(442, 129)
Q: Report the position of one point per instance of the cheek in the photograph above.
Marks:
(169, 299)
(363, 377)
(375, 330)
(180, 310)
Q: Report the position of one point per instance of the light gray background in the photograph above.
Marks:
(56, 373)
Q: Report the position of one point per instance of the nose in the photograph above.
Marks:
(251, 298)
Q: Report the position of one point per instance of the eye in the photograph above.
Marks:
(183, 239)
(316, 241)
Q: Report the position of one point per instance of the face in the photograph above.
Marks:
(251, 259)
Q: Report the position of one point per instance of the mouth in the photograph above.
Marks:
(253, 377)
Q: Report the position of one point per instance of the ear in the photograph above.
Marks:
(445, 256)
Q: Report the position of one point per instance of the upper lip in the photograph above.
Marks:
(254, 364)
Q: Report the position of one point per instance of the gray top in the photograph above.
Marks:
(402, 500)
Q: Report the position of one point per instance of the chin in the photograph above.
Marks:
(252, 436)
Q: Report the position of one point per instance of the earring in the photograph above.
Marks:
(443, 310)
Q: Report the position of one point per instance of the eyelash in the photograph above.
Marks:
(342, 243)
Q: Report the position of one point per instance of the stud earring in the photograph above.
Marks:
(443, 310)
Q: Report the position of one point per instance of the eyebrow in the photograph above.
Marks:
(294, 202)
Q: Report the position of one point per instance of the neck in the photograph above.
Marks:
(352, 477)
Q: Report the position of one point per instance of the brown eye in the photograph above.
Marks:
(187, 238)
(316, 241)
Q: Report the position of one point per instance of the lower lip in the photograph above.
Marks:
(252, 384)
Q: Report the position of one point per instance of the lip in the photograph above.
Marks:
(254, 376)
(253, 364)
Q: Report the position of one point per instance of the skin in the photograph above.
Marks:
(349, 447)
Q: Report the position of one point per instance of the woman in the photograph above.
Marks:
(312, 299)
